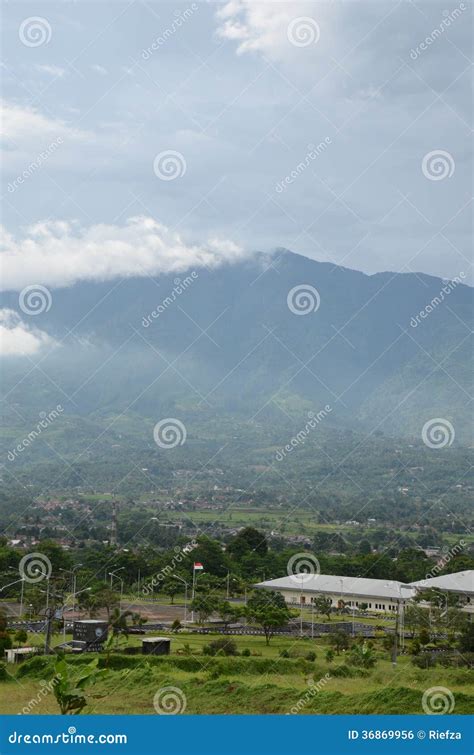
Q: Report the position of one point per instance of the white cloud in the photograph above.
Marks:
(59, 253)
(51, 70)
(99, 69)
(263, 27)
(25, 126)
(17, 339)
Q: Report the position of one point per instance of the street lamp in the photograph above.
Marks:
(74, 582)
(185, 596)
(112, 575)
(22, 580)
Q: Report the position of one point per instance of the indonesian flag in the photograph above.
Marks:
(198, 565)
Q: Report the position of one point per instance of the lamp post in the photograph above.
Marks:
(112, 575)
(185, 596)
(73, 583)
(22, 593)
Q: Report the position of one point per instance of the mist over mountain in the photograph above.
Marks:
(265, 341)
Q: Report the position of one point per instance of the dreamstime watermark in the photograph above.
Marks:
(46, 420)
(169, 433)
(303, 299)
(35, 299)
(303, 31)
(438, 31)
(438, 433)
(180, 286)
(169, 701)
(169, 570)
(46, 688)
(437, 701)
(169, 165)
(303, 567)
(35, 31)
(438, 165)
(180, 18)
(300, 437)
(313, 152)
(314, 688)
(437, 300)
(444, 561)
(34, 567)
(31, 169)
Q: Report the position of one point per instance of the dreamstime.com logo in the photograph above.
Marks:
(302, 567)
(438, 701)
(180, 286)
(444, 561)
(169, 433)
(34, 567)
(35, 299)
(438, 165)
(46, 419)
(35, 165)
(168, 570)
(438, 31)
(45, 689)
(35, 31)
(314, 688)
(303, 299)
(180, 18)
(438, 433)
(301, 435)
(303, 31)
(437, 300)
(169, 165)
(169, 701)
(313, 152)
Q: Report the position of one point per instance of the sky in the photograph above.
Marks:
(143, 137)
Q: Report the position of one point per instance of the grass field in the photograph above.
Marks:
(261, 683)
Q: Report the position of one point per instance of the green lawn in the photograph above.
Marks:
(261, 683)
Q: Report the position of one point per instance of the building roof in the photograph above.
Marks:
(461, 581)
(330, 583)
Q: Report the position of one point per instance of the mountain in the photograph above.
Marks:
(230, 347)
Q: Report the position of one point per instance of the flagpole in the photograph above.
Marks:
(194, 582)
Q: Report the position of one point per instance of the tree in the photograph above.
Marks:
(269, 618)
(228, 613)
(466, 639)
(339, 640)
(21, 636)
(416, 619)
(265, 598)
(323, 605)
(101, 596)
(171, 588)
(205, 605)
(362, 655)
(248, 540)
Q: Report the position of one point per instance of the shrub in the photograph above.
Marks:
(4, 675)
(311, 656)
(246, 653)
(424, 660)
(222, 646)
(35, 666)
(284, 654)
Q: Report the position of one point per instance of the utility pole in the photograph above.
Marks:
(395, 636)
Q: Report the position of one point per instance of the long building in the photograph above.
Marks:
(379, 595)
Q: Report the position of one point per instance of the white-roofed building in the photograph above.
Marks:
(461, 583)
(375, 594)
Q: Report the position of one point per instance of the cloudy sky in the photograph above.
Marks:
(148, 135)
